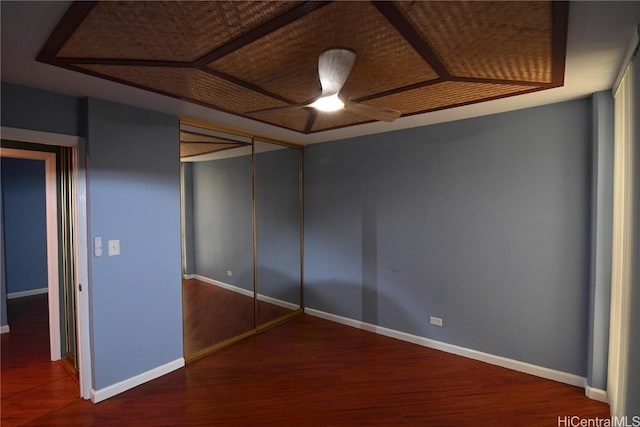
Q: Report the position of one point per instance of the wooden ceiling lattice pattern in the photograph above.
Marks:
(240, 56)
(195, 144)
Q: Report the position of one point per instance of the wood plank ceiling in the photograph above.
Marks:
(240, 56)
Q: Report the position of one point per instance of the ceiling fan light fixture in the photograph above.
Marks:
(328, 103)
(334, 66)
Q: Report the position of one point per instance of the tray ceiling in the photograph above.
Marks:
(240, 56)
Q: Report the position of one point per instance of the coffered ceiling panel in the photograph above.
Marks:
(446, 94)
(333, 121)
(491, 40)
(286, 60)
(243, 56)
(165, 30)
(297, 119)
(188, 83)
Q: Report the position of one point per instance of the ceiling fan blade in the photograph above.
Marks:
(334, 66)
(372, 111)
(275, 109)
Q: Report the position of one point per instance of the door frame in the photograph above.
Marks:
(51, 208)
(81, 260)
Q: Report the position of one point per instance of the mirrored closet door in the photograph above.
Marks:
(278, 222)
(217, 184)
(241, 234)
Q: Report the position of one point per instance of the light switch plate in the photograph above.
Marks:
(97, 246)
(114, 247)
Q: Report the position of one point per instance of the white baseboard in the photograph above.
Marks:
(596, 394)
(247, 292)
(29, 293)
(224, 285)
(516, 365)
(278, 302)
(129, 383)
(188, 276)
(4, 329)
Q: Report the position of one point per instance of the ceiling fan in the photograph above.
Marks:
(334, 66)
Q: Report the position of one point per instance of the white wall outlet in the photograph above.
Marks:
(435, 321)
(114, 247)
(97, 246)
(229, 273)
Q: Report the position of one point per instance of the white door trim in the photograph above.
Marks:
(38, 137)
(81, 255)
(52, 239)
(622, 251)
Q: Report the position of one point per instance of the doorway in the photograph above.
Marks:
(49, 160)
(70, 306)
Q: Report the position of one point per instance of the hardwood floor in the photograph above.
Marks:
(32, 385)
(212, 314)
(313, 372)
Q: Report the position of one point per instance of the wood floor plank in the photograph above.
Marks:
(22, 408)
(17, 380)
(31, 384)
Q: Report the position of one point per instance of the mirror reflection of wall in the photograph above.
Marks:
(278, 273)
(218, 296)
(237, 282)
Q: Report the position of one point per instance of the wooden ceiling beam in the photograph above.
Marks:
(560, 24)
(311, 120)
(124, 61)
(72, 18)
(259, 32)
(245, 84)
(406, 30)
(400, 89)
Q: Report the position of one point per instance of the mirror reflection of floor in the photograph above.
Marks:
(212, 314)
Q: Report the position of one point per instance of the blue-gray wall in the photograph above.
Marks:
(601, 239)
(28, 108)
(25, 229)
(134, 196)
(483, 222)
(222, 220)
